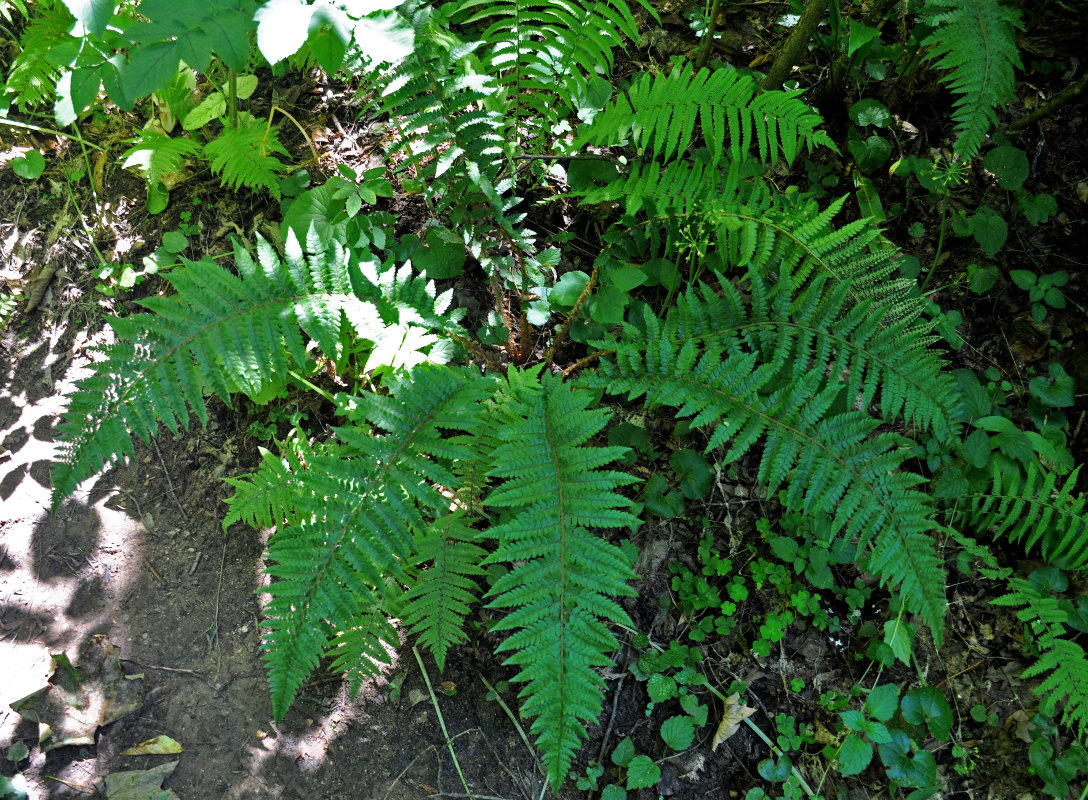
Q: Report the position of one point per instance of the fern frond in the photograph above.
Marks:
(976, 41)
(245, 156)
(1065, 660)
(439, 598)
(1036, 510)
(156, 154)
(32, 78)
(773, 370)
(660, 114)
(220, 334)
(352, 520)
(564, 578)
(546, 53)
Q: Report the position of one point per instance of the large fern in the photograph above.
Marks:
(975, 40)
(348, 521)
(787, 369)
(245, 155)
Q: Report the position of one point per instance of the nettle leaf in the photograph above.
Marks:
(678, 732)
(882, 701)
(642, 773)
(854, 755)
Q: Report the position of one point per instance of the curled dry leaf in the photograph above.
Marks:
(732, 716)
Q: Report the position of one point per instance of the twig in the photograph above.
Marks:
(442, 722)
(561, 336)
(157, 576)
(611, 720)
(38, 129)
(219, 587)
(164, 669)
(1053, 105)
(396, 780)
(169, 483)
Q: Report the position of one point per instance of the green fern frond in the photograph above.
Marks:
(350, 524)
(220, 334)
(439, 599)
(1067, 684)
(547, 53)
(564, 578)
(660, 114)
(1036, 510)
(360, 651)
(976, 41)
(776, 369)
(244, 156)
(32, 78)
(155, 154)
(443, 116)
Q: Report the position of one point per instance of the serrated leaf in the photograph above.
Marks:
(854, 755)
(678, 732)
(642, 773)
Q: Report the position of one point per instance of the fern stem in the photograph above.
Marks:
(940, 246)
(711, 25)
(795, 45)
(232, 97)
(442, 723)
(312, 387)
(561, 336)
(514, 719)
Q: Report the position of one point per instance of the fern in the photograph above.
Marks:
(976, 41)
(348, 525)
(156, 154)
(32, 78)
(222, 334)
(245, 156)
(1034, 509)
(1064, 660)
(770, 370)
(659, 114)
(564, 578)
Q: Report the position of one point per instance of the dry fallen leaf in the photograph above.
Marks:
(154, 747)
(732, 717)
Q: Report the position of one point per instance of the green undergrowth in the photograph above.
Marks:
(498, 453)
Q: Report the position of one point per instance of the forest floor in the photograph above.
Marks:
(136, 565)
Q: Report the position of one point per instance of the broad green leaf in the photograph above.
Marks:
(642, 773)
(882, 701)
(329, 37)
(30, 166)
(899, 636)
(386, 37)
(150, 68)
(94, 14)
(1055, 392)
(989, 230)
(158, 196)
(569, 289)
(282, 28)
(927, 704)
(174, 241)
(660, 687)
(854, 755)
(1009, 164)
(870, 112)
(678, 732)
(860, 35)
(624, 752)
(903, 768)
(211, 107)
(444, 255)
(694, 471)
(613, 792)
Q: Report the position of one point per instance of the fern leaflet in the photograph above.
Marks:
(660, 114)
(156, 154)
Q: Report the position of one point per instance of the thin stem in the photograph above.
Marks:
(442, 722)
(39, 129)
(711, 24)
(940, 245)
